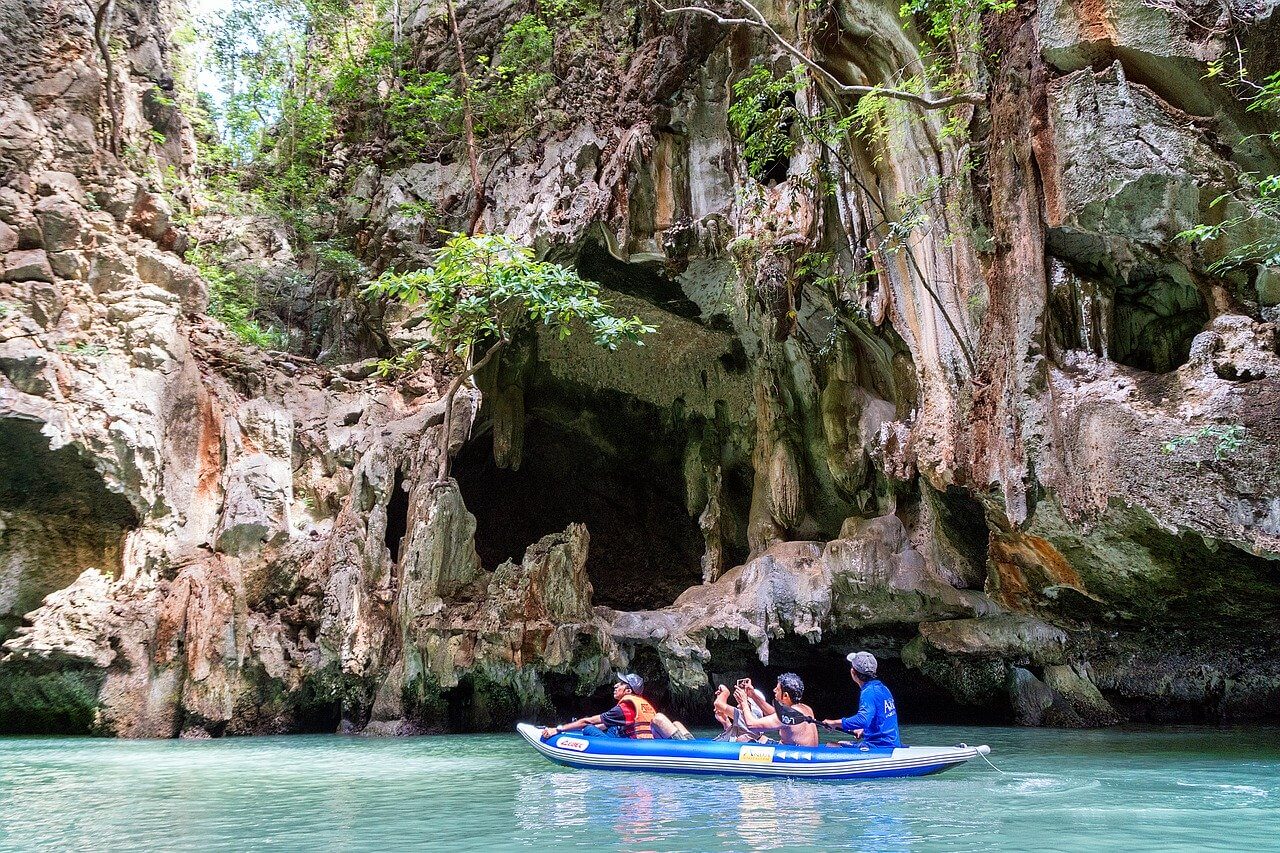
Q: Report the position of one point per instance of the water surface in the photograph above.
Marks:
(1060, 790)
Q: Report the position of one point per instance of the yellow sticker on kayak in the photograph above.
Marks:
(756, 754)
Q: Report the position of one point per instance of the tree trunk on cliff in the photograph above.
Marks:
(468, 122)
(446, 460)
(102, 14)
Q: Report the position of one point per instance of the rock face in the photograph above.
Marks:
(1031, 459)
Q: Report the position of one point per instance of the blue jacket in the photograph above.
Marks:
(877, 716)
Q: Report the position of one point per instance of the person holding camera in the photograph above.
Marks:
(732, 719)
(793, 719)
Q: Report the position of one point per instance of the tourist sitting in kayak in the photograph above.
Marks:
(632, 717)
(732, 719)
(877, 719)
(793, 719)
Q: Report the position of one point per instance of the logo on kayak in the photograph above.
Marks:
(756, 755)
(576, 744)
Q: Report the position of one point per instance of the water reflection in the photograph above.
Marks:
(1144, 791)
(648, 811)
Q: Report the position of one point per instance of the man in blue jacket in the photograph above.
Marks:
(877, 719)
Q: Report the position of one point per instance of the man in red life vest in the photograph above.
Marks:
(632, 716)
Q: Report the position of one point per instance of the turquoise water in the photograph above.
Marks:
(1060, 790)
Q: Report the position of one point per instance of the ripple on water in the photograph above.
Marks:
(1082, 791)
(1044, 786)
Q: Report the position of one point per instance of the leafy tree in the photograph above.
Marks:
(481, 290)
(1252, 230)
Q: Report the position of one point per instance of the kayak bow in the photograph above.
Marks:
(751, 759)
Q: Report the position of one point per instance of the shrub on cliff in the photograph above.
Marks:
(480, 291)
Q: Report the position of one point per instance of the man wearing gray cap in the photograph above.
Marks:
(877, 719)
(633, 716)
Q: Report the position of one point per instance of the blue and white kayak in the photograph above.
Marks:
(750, 759)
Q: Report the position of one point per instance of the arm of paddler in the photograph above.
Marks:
(858, 722)
(574, 726)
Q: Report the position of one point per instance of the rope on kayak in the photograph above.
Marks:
(984, 758)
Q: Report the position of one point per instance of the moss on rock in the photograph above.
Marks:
(39, 702)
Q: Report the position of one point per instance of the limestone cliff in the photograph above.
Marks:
(952, 452)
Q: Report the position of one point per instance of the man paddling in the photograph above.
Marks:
(632, 717)
(793, 719)
(877, 719)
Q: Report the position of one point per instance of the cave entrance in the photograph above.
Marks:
(1155, 320)
(397, 516)
(825, 672)
(57, 518)
(607, 461)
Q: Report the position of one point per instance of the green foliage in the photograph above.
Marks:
(87, 350)
(331, 688)
(487, 287)
(234, 299)
(819, 270)
(947, 18)
(761, 116)
(1227, 440)
(424, 110)
(158, 97)
(1253, 230)
(419, 208)
(254, 48)
(61, 702)
(565, 10)
(333, 257)
(527, 44)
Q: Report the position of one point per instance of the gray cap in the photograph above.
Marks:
(863, 662)
(635, 682)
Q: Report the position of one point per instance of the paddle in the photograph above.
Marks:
(791, 717)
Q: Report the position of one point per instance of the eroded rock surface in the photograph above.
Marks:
(1031, 460)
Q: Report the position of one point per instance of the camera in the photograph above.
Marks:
(744, 683)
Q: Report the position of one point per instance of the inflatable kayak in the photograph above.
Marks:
(751, 759)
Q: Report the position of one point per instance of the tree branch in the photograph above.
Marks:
(758, 21)
(454, 386)
(102, 15)
(961, 340)
(468, 122)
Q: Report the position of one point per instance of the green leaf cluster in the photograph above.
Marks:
(1227, 440)
(486, 287)
(762, 114)
(234, 299)
(334, 257)
(945, 19)
(1254, 228)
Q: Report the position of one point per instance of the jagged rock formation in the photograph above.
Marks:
(956, 459)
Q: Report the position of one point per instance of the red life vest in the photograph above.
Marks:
(639, 714)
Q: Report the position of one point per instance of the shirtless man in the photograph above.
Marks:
(793, 719)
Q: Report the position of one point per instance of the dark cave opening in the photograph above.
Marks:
(647, 281)
(397, 516)
(57, 518)
(611, 463)
(1155, 320)
(828, 688)
(1143, 317)
(962, 523)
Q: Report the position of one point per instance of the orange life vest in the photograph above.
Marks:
(640, 725)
